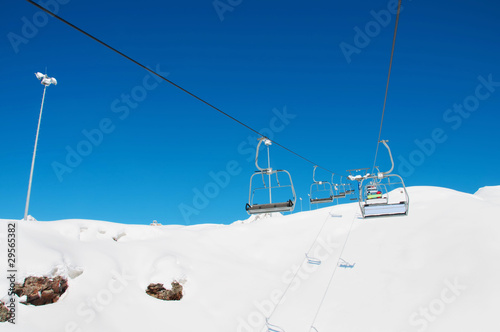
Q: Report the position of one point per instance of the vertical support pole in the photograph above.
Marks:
(34, 155)
(269, 168)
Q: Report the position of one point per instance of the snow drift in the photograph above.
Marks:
(434, 270)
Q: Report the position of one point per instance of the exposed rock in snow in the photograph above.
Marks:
(160, 292)
(41, 290)
(4, 313)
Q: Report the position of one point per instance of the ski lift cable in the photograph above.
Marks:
(387, 85)
(300, 266)
(333, 274)
(171, 82)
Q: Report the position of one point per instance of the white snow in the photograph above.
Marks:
(434, 270)
(490, 194)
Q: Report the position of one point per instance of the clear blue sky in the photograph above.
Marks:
(253, 60)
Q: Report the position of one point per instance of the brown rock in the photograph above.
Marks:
(4, 313)
(176, 293)
(160, 292)
(42, 290)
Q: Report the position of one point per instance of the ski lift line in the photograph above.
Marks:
(171, 82)
(286, 290)
(387, 85)
(320, 231)
(300, 266)
(333, 274)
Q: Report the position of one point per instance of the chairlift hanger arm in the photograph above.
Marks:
(314, 173)
(319, 181)
(390, 155)
(267, 142)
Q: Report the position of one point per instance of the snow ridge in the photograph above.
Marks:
(433, 270)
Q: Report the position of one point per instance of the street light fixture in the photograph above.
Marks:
(300, 204)
(45, 81)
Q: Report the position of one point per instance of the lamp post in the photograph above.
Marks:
(300, 204)
(309, 201)
(45, 81)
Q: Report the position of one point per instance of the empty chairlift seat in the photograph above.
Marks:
(270, 207)
(320, 191)
(321, 200)
(339, 189)
(272, 185)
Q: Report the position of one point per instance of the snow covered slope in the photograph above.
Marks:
(434, 270)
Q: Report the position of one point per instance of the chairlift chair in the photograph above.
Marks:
(349, 190)
(356, 175)
(339, 190)
(342, 186)
(254, 208)
(376, 199)
(320, 187)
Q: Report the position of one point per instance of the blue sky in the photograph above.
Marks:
(300, 71)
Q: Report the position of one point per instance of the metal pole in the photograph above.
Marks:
(269, 168)
(34, 154)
